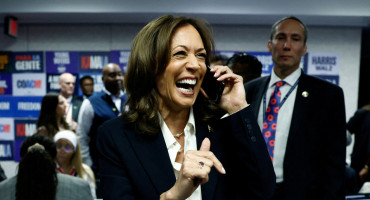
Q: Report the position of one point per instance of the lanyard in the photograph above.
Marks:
(281, 102)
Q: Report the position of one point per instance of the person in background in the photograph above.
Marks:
(69, 158)
(95, 110)
(2, 174)
(302, 120)
(359, 126)
(87, 86)
(67, 86)
(245, 65)
(37, 176)
(52, 115)
(218, 59)
(171, 143)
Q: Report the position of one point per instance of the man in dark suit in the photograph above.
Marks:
(310, 140)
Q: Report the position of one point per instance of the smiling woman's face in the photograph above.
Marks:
(179, 84)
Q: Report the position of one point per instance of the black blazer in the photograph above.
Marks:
(76, 103)
(314, 162)
(136, 166)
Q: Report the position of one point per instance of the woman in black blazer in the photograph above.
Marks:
(172, 142)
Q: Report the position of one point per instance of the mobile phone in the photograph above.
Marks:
(212, 87)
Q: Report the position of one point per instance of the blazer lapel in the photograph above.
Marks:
(302, 104)
(256, 103)
(202, 131)
(153, 154)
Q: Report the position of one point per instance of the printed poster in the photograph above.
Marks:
(28, 62)
(120, 58)
(29, 84)
(5, 62)
(58, 62)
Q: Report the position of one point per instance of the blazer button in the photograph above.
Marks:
(253, 138)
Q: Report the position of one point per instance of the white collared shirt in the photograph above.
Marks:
(284, 118)
(116, 100)
(190, 143)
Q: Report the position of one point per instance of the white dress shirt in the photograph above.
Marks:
(284, 118)
(85, 119)
(190, 143)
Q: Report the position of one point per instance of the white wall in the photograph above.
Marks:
(98, 37)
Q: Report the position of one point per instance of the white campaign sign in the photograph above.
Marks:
(323, 64)
(29, 84)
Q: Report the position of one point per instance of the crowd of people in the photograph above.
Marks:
(153, 133)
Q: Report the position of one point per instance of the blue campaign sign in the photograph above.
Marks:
(6, 150)
(5, 84)
(58, 62)
(26, 107)
(331, 79)
(91, 62)
(121, 58)
(6, 106)
(30, 61)
(24, 128)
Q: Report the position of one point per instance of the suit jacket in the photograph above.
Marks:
(137, 166)
(314, 162)
(76, 103)
(69, 188)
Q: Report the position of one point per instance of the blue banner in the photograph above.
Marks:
(24, 128)
(120, 58)
(23, 107)
(28, 62)
(5, 84)
(58, 62)
(6, 150)
(6, 106)
(93, 61)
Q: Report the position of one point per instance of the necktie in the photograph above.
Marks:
(270, 120)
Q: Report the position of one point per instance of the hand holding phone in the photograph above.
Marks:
(212, 87)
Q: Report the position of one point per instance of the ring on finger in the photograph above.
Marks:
(201, 164)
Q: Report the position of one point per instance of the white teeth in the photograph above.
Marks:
(186, 90)
(188, 81)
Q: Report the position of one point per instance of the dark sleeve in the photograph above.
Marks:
(114, 179)
(335, 154)
(248, 165)
(355, 122)
(2, 174)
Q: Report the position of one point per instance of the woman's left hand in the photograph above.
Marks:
(233, 98)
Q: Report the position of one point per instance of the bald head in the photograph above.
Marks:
(113, 78)
(67, 84)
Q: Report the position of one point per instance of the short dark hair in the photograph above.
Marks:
(85, 77)
(251, 66)
(273, 28)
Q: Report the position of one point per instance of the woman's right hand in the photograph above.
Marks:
(194, 172)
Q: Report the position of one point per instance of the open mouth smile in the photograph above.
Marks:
(186, 85)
